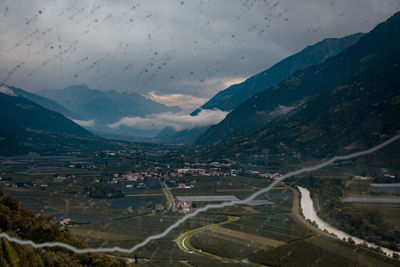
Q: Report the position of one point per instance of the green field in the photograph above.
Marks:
(320, 251)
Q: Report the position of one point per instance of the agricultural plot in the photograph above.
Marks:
(243, 186)
(137, 228)
(136, 203)
(371, 199)
(207, 198)
(275, 226)
(320, 251)
(225, 246)
(264, 232)
(387, 188)
(252, 240)
(72, 202)
(134, 187)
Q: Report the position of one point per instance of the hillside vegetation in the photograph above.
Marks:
(19, 223)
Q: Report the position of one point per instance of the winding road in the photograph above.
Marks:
(183, 240)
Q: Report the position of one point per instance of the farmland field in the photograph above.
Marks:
(263, 230)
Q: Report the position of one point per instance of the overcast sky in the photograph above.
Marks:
(166, 47)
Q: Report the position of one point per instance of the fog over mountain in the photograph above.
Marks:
(178, 121)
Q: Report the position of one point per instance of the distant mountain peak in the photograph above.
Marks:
(106, 107)
(7, 91)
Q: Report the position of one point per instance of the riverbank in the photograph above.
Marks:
(309, 213)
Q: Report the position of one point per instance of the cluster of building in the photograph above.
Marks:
(275, 175)
(198, 172)
(129, 152)
(174, 184)
(184, 206)
(65, 221)
(25, 185)
(132, 177)
(81, 166)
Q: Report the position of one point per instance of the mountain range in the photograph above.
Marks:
(231, 97)
(348, 102)
(102, 108)
(96, 110)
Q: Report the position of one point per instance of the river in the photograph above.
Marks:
(310, 213)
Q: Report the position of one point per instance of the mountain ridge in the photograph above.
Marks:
(43, 101)
(359, 107)
(231, 97)
(316, 79)
(25, 122)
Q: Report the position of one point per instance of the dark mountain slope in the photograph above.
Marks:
(353, 116)
(184, 137)
(234, 95)
(358, 113)
(30, 116)
(44, 102)
(25, 125)
(317, 79)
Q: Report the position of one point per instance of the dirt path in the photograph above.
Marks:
(169, 197)
(245, 236)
